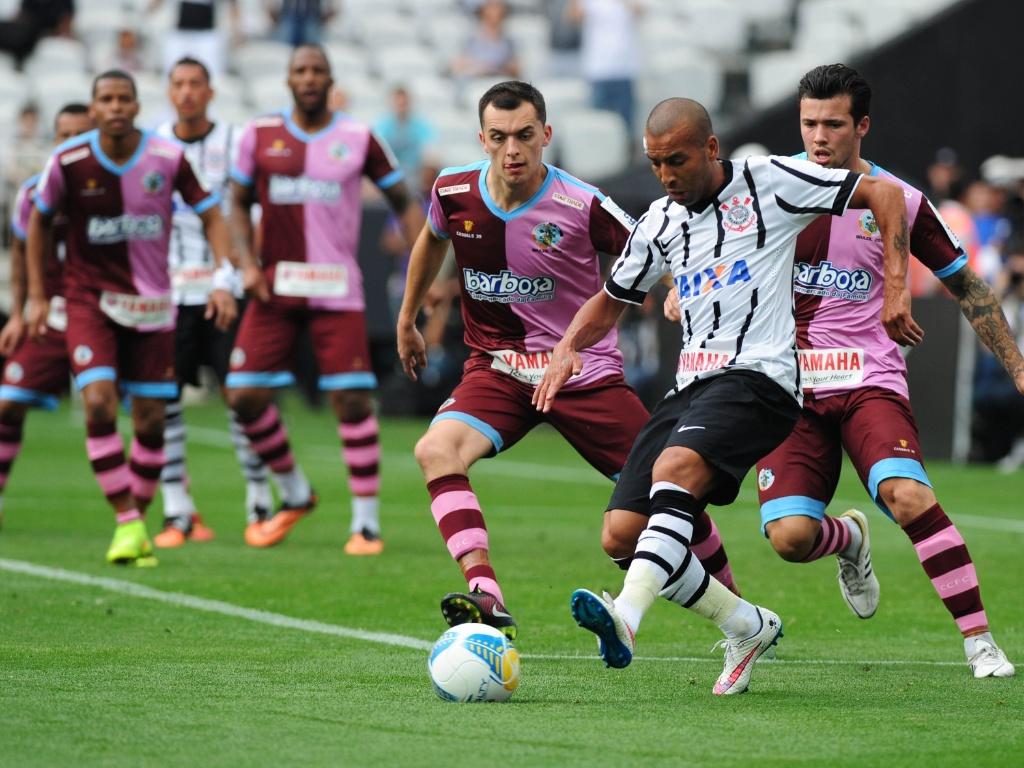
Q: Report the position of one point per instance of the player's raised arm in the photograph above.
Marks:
(591, 324)
(886, 201)
(425, 261)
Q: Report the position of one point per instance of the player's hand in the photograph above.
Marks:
(254, 283)
(11, 335)
(412, 350)
(671, 306)
(901, 327)
(565, 363)
(222, 308)
(38, 312)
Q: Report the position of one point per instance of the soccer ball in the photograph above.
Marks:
(474, 662)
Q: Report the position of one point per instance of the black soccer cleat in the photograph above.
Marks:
(478, 607)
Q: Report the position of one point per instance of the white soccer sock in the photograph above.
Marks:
(639, 590)
(365, 514)
(177, 501)
(258, 496)
(856, 539)
(734, 616)
(173, 482)
(294, 486)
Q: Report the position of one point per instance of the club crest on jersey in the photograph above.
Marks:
(547, 235)
(237, 359)
(153, 182)
(92, 188)
(467, 225)
(278, 148)
(868, 225)
(13, 373)
(738, 215)
(693, 284)
(82, 355)
(338, 151)
(765, 479)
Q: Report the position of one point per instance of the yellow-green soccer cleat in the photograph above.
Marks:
(131, 546)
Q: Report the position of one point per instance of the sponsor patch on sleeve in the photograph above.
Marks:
(620, 215)
(454, 189)
(72, 157)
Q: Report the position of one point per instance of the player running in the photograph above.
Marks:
(727, 231)
(304, 167)
(855, 388)
(209, 147)
(526, 237)
(36, 371)
(115, 185)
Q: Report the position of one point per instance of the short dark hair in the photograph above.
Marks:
(189, 61)
(509, 95)
(114, 74)
(830, 80)
(312, 46)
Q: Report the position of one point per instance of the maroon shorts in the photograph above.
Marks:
(874, 425)
(37, 372)
(600, 420)
(265, 346)
(141, 362)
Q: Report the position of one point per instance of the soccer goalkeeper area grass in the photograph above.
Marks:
(298, 655)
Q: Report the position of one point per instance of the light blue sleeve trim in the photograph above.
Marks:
(790, 506)
(568, 178)
(18, 232)
(207, 203)
(952, 269)
(241, 178)
(438, 235)
(43, 207)
(889, 468)
(43, 400)
(390, 179)
(482, 427)
(158, 390)
(354, 380)
(259, 379)
(452, 169)
(90, 375)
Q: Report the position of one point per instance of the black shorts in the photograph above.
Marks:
(731, 420)
(197, 342)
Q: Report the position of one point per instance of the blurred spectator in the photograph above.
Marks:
(488, 50)
(300, 21)
(958, 218)
(566, 37)
(943, 173)
(998, 424)
(987, 203)
(610, 52)
(337, 99)
(128, 55)
(35, 19)
(31, 148)
(196, 35)
(408, 133)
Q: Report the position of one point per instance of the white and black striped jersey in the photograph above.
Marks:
(732, 262)
(190, 260)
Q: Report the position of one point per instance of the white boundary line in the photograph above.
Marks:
(382, 638)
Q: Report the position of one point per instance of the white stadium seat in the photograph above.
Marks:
(593, 143)
(402, 62)
(258, 59)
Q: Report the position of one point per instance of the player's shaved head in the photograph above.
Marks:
(307, 47)
(672, 114)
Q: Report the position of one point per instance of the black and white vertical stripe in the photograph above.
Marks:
(733, 264)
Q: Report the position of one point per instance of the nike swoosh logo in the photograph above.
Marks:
(500, 613)
(684, 428)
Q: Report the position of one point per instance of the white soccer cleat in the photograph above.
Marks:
(740, 655)
(988, 659)
(857, 579)
(615, 640)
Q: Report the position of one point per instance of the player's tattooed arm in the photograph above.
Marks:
(982, 309)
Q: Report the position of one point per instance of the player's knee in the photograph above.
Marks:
(620, 532)
(352, 405)
(148, 417)
(793, 537)
(905, 498)
(434, 455)
(12, 412)
(245, 402)
(685, 467)
(100, 404)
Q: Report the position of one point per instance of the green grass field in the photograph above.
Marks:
(93, 674)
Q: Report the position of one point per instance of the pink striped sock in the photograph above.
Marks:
(482, 577)
(833, 538)
(128, 516)
(106, 455)
(269, 440)
(361, 453)
(146, 464)
(10, 445)
(707, 546)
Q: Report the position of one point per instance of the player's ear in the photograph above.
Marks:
(547, 135)
(863, 127)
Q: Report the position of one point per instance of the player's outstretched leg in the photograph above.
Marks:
(360, 442)
(615, 639)
(944, 557)
(857, 580)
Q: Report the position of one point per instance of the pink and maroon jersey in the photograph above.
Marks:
(119, 216)
(54, 274)
(308, 187)
(525, 272)
(839, 279)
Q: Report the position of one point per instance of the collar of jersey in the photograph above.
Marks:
(110, 165)
(519, 210)
(300, 134)
(703, 205)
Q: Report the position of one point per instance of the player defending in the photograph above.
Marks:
(304, 167)
(37, 371)
(727, 231)
(209, 147)
(860, 404)
(115, 185)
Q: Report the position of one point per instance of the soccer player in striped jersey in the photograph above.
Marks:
(209, 147)
(855, 388)
(727, 232)
(305, 166)
(526, 237)
(37, 371)
(115, 185)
